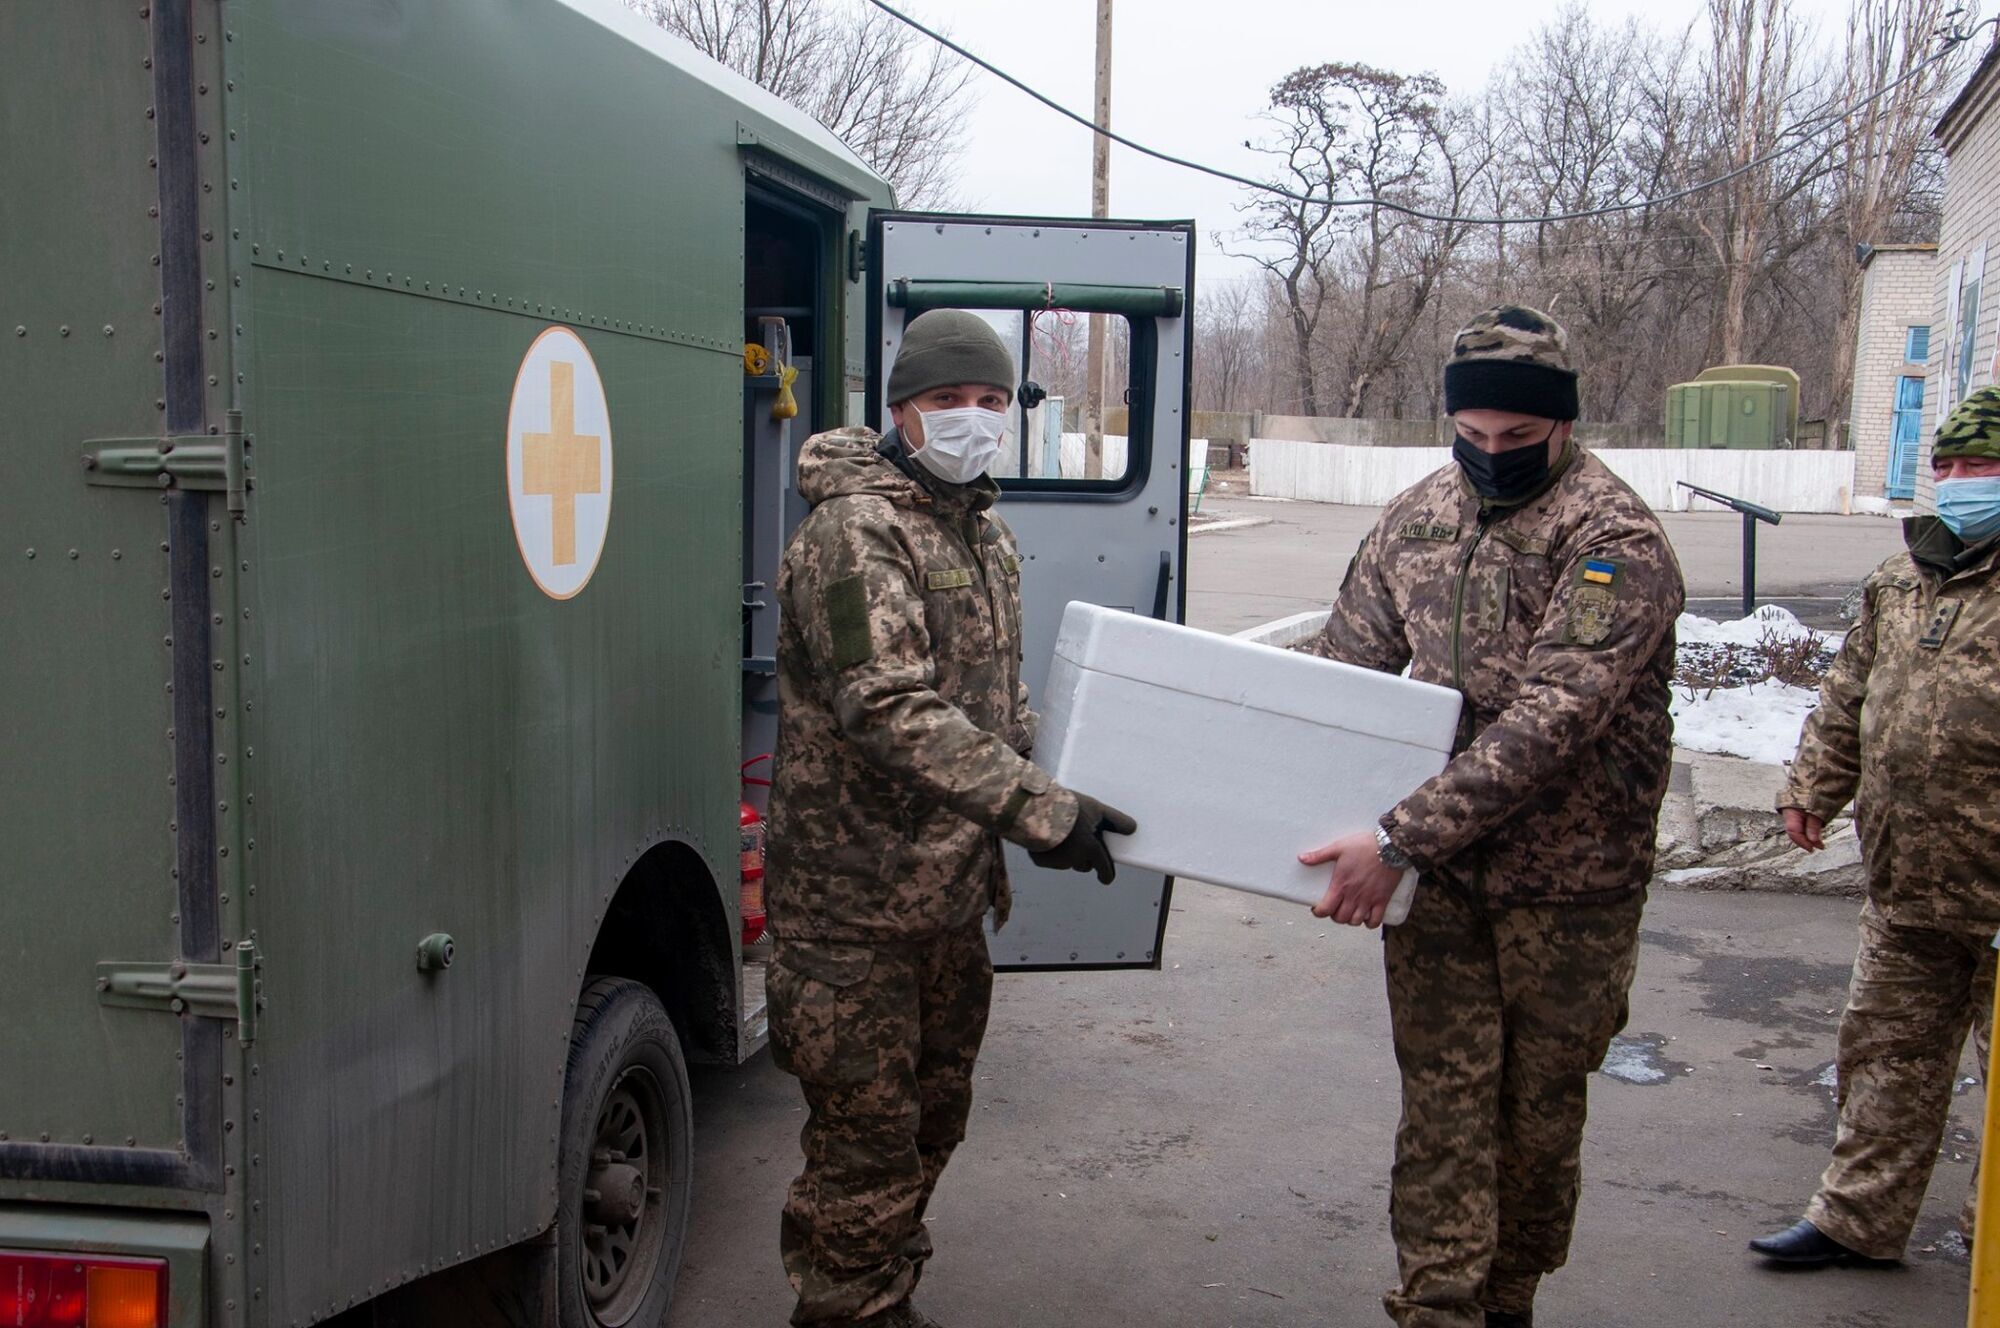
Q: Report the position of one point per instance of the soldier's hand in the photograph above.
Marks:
(1804, 829)
(1362, 885)
(1083, 848)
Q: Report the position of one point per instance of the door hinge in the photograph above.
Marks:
(186, 461)
(207, 991)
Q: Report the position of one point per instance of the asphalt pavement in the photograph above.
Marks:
(1240, 577)
(1208, 1146)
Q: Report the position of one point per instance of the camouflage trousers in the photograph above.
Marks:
(1499, 1017)
(1914, 993)
(882, 1039)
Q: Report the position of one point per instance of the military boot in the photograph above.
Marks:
(1509, 1319)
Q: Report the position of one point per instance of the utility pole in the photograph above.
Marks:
(1100, 206)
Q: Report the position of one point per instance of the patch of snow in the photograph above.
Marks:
(1759, 723)
(1632, 1062)
(1692, 629)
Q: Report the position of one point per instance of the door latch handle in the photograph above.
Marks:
(189, 461)
(1160, 587)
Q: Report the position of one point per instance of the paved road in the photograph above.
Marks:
(1238, 578)
(1208, 1145)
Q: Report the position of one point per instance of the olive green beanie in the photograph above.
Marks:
(947, 346)
(1973, 427)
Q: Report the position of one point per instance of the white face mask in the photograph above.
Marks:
(960, 444)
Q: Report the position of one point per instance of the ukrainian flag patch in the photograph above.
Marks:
(1599, 572)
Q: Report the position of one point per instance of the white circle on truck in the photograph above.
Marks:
(559, 462)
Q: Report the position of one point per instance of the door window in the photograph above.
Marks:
(1058, 439)
(1908, 427)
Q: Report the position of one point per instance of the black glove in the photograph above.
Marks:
(1083, 848)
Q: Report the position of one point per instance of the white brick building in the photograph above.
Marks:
(1965, 316)
(1891, 355)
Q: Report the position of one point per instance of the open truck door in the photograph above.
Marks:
(1100, 518)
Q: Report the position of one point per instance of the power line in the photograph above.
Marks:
(1801, 132)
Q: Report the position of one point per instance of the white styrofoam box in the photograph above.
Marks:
(1234, 757)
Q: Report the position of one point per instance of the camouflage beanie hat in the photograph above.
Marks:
(1973, 427)
(948, 346)
(1511, 358)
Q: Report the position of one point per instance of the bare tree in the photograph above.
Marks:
(1349, 130)
(1410, 149)
(1592, 119)
(898, 100)
(1229, 327)
(1883, 149)
(1757, 80)
(1293, 238)
(1586, 118)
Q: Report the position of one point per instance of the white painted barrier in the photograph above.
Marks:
(1071, 461)
(1371, 476)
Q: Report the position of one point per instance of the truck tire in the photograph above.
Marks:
(625, 1162)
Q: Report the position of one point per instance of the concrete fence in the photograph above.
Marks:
(1370, 476)
(1424, 432)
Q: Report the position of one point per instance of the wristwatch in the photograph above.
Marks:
(1385, 849)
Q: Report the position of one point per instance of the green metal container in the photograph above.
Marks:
(1735, 406)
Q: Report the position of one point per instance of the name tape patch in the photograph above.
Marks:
(1430, 530)
(952, 578)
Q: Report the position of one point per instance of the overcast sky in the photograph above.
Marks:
(1189, 76)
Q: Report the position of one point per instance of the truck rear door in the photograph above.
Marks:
(1101, 514)
(111, 1054)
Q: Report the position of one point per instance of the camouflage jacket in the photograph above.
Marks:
(1554, 617)
(903, 724)
(1908, 726)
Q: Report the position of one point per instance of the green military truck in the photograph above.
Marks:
(389, 506)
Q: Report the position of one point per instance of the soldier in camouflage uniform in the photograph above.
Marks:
(1908, 727)
(902, 762)
(1531, 579)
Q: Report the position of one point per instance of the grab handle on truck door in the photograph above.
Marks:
(1160, 587)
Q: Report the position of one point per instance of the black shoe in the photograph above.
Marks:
(1508, 1319)
(1804, 1245)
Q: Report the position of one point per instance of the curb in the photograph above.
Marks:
(1233, 523)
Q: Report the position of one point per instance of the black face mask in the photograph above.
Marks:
(1508, 475)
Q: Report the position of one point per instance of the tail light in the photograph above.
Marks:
(81, 1291)
(750, 830)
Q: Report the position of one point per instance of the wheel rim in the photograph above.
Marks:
(624, 1197)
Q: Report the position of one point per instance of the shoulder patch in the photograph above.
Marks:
(1429, 530)
(1939, 626)
(847, 622)
(1591, 610)
(1012, 562)
(951, 578)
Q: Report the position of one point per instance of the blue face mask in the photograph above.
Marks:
(1970, 507)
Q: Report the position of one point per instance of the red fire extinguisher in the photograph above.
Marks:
(750, 826)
